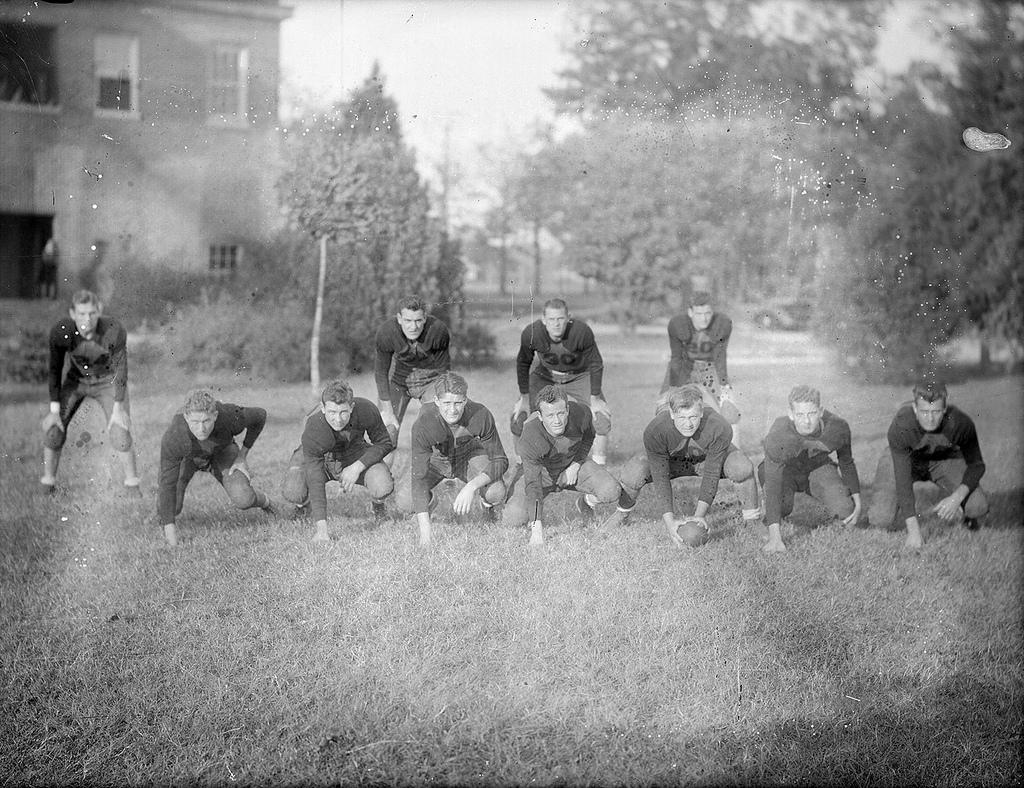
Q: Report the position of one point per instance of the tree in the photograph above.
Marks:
(350, 178)
(656, 59)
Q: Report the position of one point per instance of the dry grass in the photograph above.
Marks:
(250, 655)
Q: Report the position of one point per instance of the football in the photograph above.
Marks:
(602, 423)
(517, 423)
(692, 532)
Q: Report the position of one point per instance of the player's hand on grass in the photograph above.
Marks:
(854, 516)
(536, 533)
(672, 527)
(914, 540)
(321, 534)
(774, 543)
(463, 502)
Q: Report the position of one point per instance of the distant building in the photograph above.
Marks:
(136, 130)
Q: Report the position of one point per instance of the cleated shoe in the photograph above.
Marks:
(616, 519)
(380, 513)
(489, 515)
(132, 492)
(299, 511)
(971, 523)
(49, 490)
(269, 509)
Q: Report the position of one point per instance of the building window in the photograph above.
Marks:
(117, 69)
(228, 83)
(28, 69)
(225, 258)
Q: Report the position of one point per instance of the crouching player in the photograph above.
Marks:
(798, 458)
(344, 440)
(929, 441)
(202, 438)
(554, 447)
(97, 350)
(456, 438)
(688, 437)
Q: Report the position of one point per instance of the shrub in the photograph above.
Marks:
(25, 357)
(474, 346)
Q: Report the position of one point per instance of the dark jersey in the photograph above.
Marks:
(364, 438)
(689, 345)
(787, 449)
(575, 354)
(412, 357)
(709, 444)
(910, 445)
(540, 450)
(180, 444)
(432, 436)
(102, 359)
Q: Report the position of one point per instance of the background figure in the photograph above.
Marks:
(49, 264)
(699, 344)
(567, 355)
(98, 354)
(929, 441)
(456, 438)
(343, 440)
(412, 351)
(797, 458)
(202, 438)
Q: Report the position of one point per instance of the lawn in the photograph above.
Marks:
(250, 655)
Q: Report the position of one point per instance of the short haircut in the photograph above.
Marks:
(700, 298)
(685, 397)
(803, 393)
(85, 297)
(338, 392)
(551, 394)
(556, 303)
(200, 401)
(451, 383)
(930, 391)
(413, 303)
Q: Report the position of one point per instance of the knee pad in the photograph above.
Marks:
(602, 424)
(239, 490)
(120, 438)
(54, 438)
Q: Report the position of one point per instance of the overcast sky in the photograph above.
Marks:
(472, 67)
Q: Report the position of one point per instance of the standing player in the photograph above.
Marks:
(417, 343)
(554, 448)
(798, 458)
(96, 348)
(929, 441)
(343, 440)
(699, 342)
(202, 438)
(687, 438)
(456, 438)
(567, 355)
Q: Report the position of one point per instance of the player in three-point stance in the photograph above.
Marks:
(687, 437)
(417, 344)
(456, 438)
(567, 355)
(97, 350)
(798, 458)
(554, 447)
(699, 343)
(929, 441)
(344, 440)
(202, 438)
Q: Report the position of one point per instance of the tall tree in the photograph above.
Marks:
(349, 177)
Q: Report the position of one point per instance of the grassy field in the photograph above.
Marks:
(250, 655)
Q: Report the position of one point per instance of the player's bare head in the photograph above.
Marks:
(552, 394)
(805, 409)
(556, 304)
(701, 312)
(555, 317)
(411, 302)
(929, 390)
(804, 393)
(85, 311)
(451, 383)
(201, 413)
(200, 401)
(685, 397)
(412, 316)
(338, 392)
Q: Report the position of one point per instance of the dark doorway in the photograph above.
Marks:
(22, 238)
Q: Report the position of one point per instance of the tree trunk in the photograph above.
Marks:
(318, 314)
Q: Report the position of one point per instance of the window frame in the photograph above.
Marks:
(216, 85)
(133, 78)
(47, 60)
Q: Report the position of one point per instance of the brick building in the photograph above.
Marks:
(136, 131)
